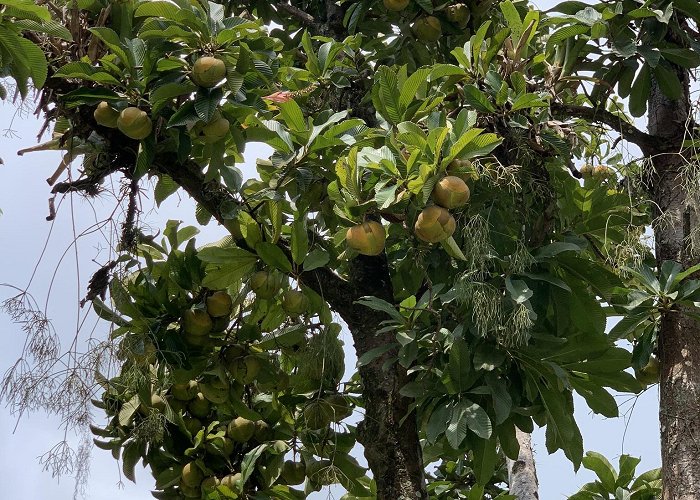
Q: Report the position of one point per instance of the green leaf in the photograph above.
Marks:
(292, 115)
(273, 256)
(485, 460)
(602, 468)
(640, 92)
(668, 82)
(110, 38)
(315, 259)
(459, 365)
(477, 99)
(130, 456)
(373, 354)
(477, 420)
(300, 239)
(381, 305)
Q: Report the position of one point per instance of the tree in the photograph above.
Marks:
(423, 187)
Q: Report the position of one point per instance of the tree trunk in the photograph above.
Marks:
(522, 474)
(679, 337)
(392, 448)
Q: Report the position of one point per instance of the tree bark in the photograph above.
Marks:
(522, 473)
(679, 337)
(392, 448)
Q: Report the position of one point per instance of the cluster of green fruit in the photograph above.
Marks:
(268, 284)
(135, 123)
(198, 323)
(429, 28)
(433, 225)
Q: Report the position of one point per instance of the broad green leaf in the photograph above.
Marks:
(273, 256)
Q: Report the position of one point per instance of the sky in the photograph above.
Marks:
(24, 197)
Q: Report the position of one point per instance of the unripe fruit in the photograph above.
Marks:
(215, 130)
(192, 475)
(367, 238)
(184, 392)
(196, 322)
(199, 406)
(434, 224)
(208, 71)
(294, 302)
(220, 324)
(263, 431)
(244, 369)
(266, 285)
(396, 5)
(318, 414)
(210, 484)
(231, 480)
(134, 123)
(105, 115)
(193, 425)
(451, 192)
(241, 429)
(293, 473)
(458, 14)
(219, 304)
(427, 29)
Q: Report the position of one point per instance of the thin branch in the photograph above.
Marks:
(301, 16)
(649, 144)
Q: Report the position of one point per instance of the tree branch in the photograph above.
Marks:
(650, 145)
(211, 195)
(303, 17)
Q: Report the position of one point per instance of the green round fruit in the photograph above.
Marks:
(225, 446)
(396, 5)
(263, 431)
(427, 29)
(293, 473)
(134, 123)
(451, 192)
(210, 484)
(215, 130)
(434, 224)
(105, 115)
(265, 284)
(208, 71)
(197, 340)
(294, 302)
(186, 391)
(367, 238)
(318, 414)
(190, 491)
(193, 425)
(199, 406)
(196, 322)
(219, 304)
(220, 324)
(458, 14)
(215, 390)
(245, 369)
(192, 475)
(241, 430)
(231, 481)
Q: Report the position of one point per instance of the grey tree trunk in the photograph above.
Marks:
(679, 339)
(522, 473)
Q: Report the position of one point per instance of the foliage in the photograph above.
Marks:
(498, 326)
(613, 484)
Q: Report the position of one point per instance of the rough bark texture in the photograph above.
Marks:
(679, 341)
(392, 449)
(522, 473)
